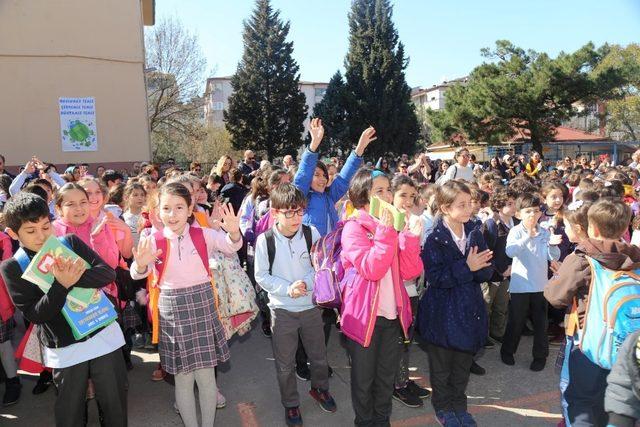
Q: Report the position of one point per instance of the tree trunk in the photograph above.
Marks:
(537, 146)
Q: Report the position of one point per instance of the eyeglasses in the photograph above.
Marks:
(198, 169)
(251, 158)
(291, 214)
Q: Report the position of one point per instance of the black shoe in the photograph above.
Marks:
(303, 373)
(538, 365)
(12, 391)
(330, 371)
(405, 396)
(507, 359)
(266, 329)
(489, 343)
(293, 417)
(414, 388)
(324, 399)
(527, 331)
(496, 339)
(45, 380)
(477, 369)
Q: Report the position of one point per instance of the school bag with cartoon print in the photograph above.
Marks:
(612, 314)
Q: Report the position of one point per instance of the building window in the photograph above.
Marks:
(217, 87)
(217, 106)
(320, 91)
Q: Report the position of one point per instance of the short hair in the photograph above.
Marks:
(235, 175)
(37, 190)
(42, 182)
(528, 200)
(611, 217)
(287, 196)
(449, 191)
(5, 183)
(322, 166)
(613, 188)
(276, 177)
(400, 180)
(24, 207)
(588, 196)
(111, 175)
(360, 187)
(116, 194)
(501, 196)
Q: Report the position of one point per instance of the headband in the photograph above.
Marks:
(376, 173)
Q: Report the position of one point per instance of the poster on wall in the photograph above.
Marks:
(78, 124)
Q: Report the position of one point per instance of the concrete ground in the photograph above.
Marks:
(505, 396)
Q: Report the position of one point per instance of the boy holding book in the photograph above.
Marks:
(73, 360)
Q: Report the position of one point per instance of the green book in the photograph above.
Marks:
(375, 209)
(39, 271)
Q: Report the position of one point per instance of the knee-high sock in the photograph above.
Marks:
(8, 360)
(208, 393)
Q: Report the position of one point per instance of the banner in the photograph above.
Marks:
(78, 124)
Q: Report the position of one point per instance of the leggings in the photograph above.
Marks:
(186, 399)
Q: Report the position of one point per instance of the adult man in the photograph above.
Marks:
(3, 170)
(248, 166)
(288, 162)
(634, 164)
(111, 178)
(460, 169)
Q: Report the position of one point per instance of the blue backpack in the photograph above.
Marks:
(613, 313)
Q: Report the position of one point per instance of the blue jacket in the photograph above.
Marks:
(321, 211)
(452, 312)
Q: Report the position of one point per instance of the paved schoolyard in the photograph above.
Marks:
(506, 396)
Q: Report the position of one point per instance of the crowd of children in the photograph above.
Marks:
(476, 261)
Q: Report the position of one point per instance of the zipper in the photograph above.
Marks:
(617, 307)
(610, 293)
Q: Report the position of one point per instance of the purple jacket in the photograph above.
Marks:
(369, 250)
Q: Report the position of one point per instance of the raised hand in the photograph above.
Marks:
(144, 254)
(414, 224)
(386, 218)
(368, 135)
(316, 130)
(230, 221)
(30, 167)
(68, 272)
(214, 219)
(98, 228)
(479, 260)
(555, 239)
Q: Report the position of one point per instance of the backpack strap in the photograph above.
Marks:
(22, 258)
(197, 237)
(308, 237)
(271, 247)
(161, 243)
(456, 171)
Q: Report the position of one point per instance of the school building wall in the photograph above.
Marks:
(73, 48)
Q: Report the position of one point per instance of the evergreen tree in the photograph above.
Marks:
(266, 110)
(333, 112)
(376, 91)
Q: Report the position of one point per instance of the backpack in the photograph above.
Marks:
(262, 226)
(440, 179)
(271, 243)
(325, 258)
(612, 314)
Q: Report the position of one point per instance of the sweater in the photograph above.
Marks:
(46, 309)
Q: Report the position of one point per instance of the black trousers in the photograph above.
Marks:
(520, 307)
(449, 372)
(329, 320)
(109, 376)
(373, 370)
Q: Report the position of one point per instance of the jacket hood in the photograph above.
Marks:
(612, 254)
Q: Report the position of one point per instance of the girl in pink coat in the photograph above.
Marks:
(376, 312)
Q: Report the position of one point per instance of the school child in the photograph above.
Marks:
(13, 386)
(532, 248)
(622, 398)
(192, 341)
(495, 231)
(428, 198)
(376, 310)
(404, 191)
(135, 198)
(283, 269)
(98, 356)
(608, 220)
(452, 317)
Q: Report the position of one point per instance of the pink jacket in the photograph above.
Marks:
(369, 249)
(6, 304)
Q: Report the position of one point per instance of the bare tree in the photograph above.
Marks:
(175, 71)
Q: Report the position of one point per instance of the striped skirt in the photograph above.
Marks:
(191, 336)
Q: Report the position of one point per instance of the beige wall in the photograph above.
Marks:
(72, 48)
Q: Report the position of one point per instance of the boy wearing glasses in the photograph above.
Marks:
(283, 269)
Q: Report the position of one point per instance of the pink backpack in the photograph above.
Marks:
(325, 258)
(265, 223)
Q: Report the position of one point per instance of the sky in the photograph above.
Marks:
(442, 38)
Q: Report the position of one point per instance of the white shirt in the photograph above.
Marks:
(461, 242)
(457, 172)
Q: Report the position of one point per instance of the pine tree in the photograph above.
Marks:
(266, 110)
(333, 112)
(376, 90)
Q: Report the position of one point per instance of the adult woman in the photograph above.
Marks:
(223, 167)
(534, 166)
(496, 166)
(421, 169)
(442, 169)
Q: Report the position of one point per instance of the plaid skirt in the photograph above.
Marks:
(129, 317)
(191, 336)
(6, 329)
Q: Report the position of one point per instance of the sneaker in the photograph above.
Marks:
(447, 419)
(45, 380)
(266, 329)
(507, 359)
(293, 417)
(477, 369)
(303, 373)
(405, 396)
(538, 365)
(157, 375)
(12, 391)
(222, 401)
(465, 419)
(489, 343)
(138, 341)
(148, 345)
(324, 399)
(414, 388)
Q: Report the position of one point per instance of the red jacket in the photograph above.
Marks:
(6, 304)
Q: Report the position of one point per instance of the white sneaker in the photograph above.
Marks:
(222, 402)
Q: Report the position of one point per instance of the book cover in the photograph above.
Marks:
(83, 320)
(39, 270)
(375, 209)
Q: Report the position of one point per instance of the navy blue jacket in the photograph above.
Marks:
(452, 312)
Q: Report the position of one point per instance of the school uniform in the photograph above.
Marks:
(74, 361)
